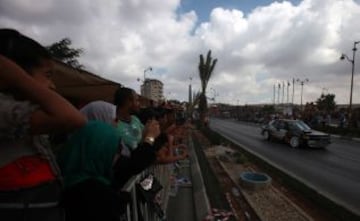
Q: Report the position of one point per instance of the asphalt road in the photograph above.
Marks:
(333, 172)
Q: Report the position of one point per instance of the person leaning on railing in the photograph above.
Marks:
(86, 162)
(174, 150)
(133, 132)
(29, 108)
(125, 166)
(169, 151)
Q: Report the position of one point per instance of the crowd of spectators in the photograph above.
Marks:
(99, 148)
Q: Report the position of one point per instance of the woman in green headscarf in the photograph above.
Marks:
(89, 153)
(86, 164)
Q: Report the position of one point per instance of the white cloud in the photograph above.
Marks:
(269, 45)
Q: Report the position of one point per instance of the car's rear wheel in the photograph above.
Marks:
(267, 135)
(294, 142)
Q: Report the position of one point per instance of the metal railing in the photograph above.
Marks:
(136, 206)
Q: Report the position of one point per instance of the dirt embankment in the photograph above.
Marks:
(274, 203)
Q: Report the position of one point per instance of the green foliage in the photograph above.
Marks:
(326, 102)
(62, 51)
(240, 158)
(202, 103)
(206, 68)
(268, 109)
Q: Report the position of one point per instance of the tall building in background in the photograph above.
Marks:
(152, 89)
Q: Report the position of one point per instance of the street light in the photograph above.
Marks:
(302, 82)
(147, 69)
(352, 61)
(142, 87)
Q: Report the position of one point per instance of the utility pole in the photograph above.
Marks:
(302, 82)
(287, 99)
(283, 90)
(279, 87)
(292, 101)
(274, 92)
(190, 92)
(352, 61)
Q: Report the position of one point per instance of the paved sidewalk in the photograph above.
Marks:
(181, 206)
(190, 201)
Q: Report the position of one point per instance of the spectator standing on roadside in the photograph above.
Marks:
(86, 162)
(135, 156)
(29, 109)
(128, 126)
(94, 169)
(174, 150)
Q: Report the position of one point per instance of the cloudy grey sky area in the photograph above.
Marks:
(257, 47)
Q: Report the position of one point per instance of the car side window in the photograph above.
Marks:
(275, 124)
(292, 127)
(286, 126)
(281, 125)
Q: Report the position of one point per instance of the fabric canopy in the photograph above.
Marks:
(82, 86)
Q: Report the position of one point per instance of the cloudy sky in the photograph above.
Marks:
(258, 43)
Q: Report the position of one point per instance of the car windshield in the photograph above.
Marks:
(301, 125)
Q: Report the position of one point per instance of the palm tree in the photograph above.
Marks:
(205, 70)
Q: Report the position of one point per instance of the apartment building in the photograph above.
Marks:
(152, 89)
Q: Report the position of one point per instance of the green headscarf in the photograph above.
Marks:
(89, 153)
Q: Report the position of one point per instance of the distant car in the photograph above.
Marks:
(296, 133)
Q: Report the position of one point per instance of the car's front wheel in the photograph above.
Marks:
(294, 142)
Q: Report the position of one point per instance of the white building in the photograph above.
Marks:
(152, 89)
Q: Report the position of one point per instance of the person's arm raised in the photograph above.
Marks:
(55, 113)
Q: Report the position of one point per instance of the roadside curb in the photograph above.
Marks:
(345, 137)
(201, 200)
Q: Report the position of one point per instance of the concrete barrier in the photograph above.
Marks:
(201, 201)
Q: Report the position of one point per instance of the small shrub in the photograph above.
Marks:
(241, 159)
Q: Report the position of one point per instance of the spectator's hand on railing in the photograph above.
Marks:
(184, 154)
(182, 151)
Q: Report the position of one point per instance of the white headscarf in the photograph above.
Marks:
(100, 110)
